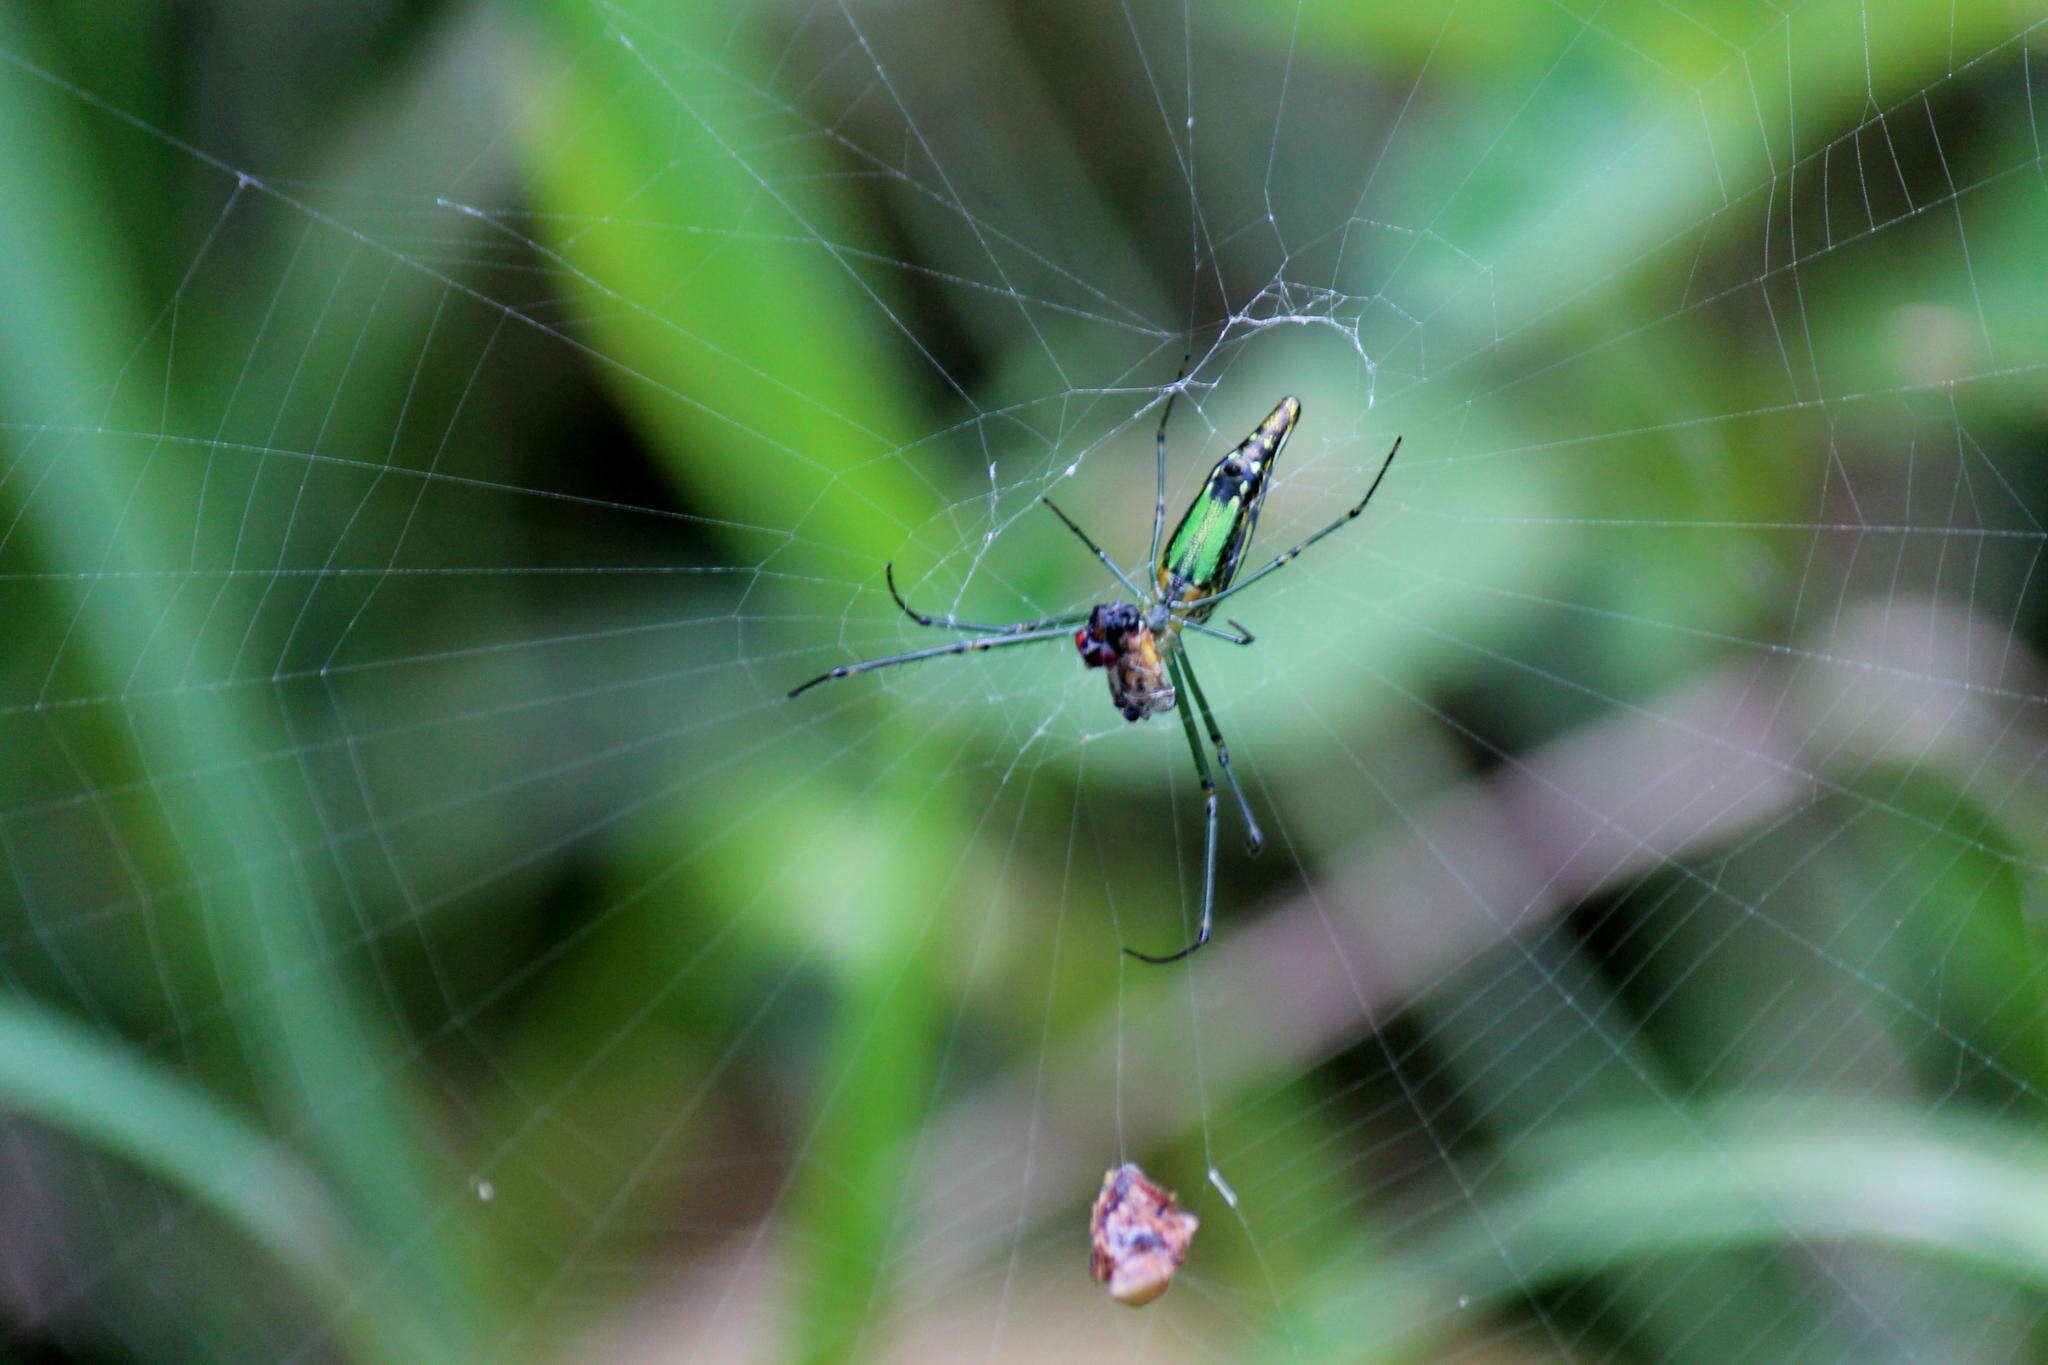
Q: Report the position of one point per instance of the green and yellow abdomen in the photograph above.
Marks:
(1208, 546)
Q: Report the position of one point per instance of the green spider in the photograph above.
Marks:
(1139, 644)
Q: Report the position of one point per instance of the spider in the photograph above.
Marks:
(1138, 643)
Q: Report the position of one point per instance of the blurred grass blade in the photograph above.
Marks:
(1642, 1182)
(757, 360)
(68, 338)
(59, 1074)
(697, 215)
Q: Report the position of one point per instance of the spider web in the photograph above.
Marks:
(431, 929)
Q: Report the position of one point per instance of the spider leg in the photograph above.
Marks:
(1243, 636)
(1281, 560)
(1208, 840)
(948, 623)
(1121, 576)
(1187, 673)
(1159, 512)
(959, 647)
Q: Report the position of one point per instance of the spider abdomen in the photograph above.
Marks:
(1204, 552)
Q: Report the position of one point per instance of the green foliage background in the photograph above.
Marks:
(413, 950)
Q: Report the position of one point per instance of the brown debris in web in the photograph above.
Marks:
(1138, 1237)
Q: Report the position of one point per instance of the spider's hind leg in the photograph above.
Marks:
(1187, 721)
(1253, 837)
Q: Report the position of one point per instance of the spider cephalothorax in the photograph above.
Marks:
(1120, 639)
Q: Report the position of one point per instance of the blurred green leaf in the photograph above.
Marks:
(1636, 1184)
(728, 307)
(1949, 925)
(58, 1073)
(68, 337)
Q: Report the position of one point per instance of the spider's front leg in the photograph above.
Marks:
(958, 647)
